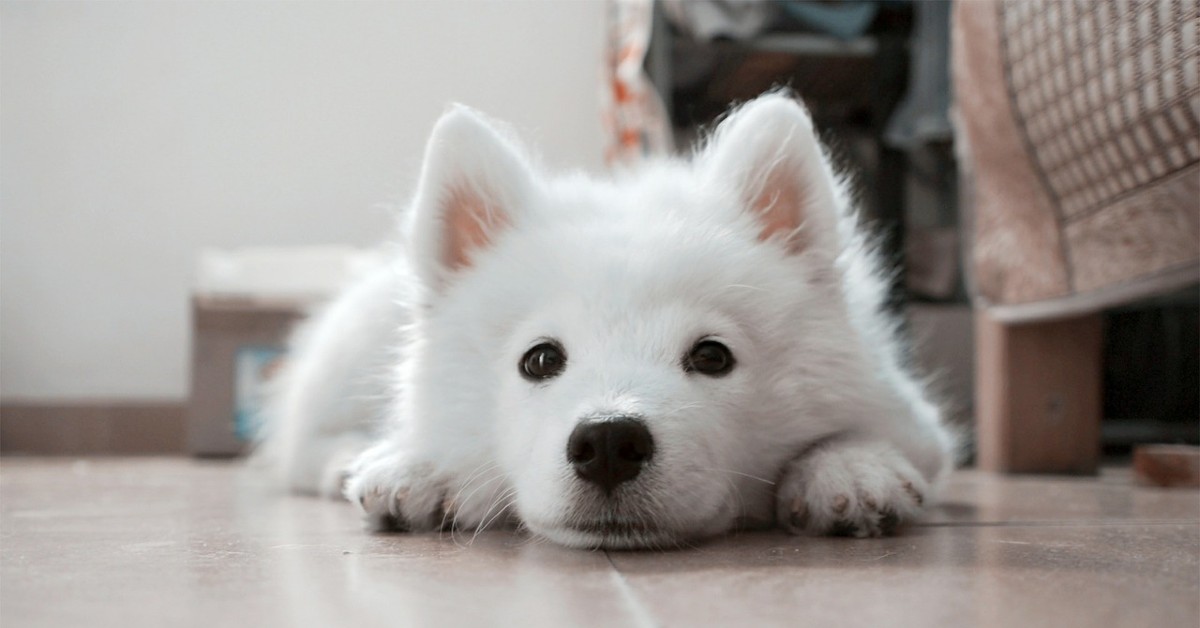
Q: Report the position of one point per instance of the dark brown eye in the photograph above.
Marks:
(709, 357)
(543, 361)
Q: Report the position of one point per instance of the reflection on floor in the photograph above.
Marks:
(174, 542)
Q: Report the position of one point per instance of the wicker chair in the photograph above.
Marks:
(1080, 141)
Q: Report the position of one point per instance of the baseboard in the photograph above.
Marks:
(92, 428)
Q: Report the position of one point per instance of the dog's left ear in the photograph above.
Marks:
(768, 152)
(475, 180)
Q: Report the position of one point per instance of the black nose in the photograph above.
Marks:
(609, 451)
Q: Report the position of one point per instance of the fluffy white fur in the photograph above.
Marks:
(414, 373)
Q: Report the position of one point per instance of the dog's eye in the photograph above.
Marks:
(709, 357)
(543, 361)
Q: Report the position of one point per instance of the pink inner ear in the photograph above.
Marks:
(471, 223)
(779, 205)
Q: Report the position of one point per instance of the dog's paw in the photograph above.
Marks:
(398, 494)
(849, 489)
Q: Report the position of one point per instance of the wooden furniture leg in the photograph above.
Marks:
(1038, 398)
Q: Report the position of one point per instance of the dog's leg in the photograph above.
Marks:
(334, 387)
(849, 487)
(873, 477)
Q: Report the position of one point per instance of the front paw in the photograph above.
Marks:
(398, 493)
(847, 488)
(394, 493)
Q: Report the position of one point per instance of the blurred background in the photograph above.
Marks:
(180, 181)
(136, 134)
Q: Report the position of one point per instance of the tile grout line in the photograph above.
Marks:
(640, 612)
(1055, 523)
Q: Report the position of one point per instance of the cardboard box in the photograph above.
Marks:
(236, 344)
(244, 306)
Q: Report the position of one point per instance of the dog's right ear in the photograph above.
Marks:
(473, 182)
(767, 151)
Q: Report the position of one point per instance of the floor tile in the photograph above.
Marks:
(1102, 575)
(175, 543)
(154, 542)
(977, 497)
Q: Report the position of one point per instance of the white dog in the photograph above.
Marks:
(632, 362)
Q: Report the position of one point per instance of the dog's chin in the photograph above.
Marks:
(610, 536)
(609, 528)
(613, 535)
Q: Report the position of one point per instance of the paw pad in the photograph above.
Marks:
(913, 492)
(799, 516)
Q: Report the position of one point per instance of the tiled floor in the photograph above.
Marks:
(172, 542)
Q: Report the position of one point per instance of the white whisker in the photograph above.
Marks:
(484, 521)
(752, 477)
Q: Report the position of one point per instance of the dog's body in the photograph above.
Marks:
(628, 362)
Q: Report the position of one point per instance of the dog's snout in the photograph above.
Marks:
(609, 451)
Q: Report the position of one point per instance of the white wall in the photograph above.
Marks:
(133, 134)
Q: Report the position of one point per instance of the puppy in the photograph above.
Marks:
(638, 361)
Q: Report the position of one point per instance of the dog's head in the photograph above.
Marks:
(632, 353)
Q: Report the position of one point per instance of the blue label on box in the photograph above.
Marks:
(252, 370)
